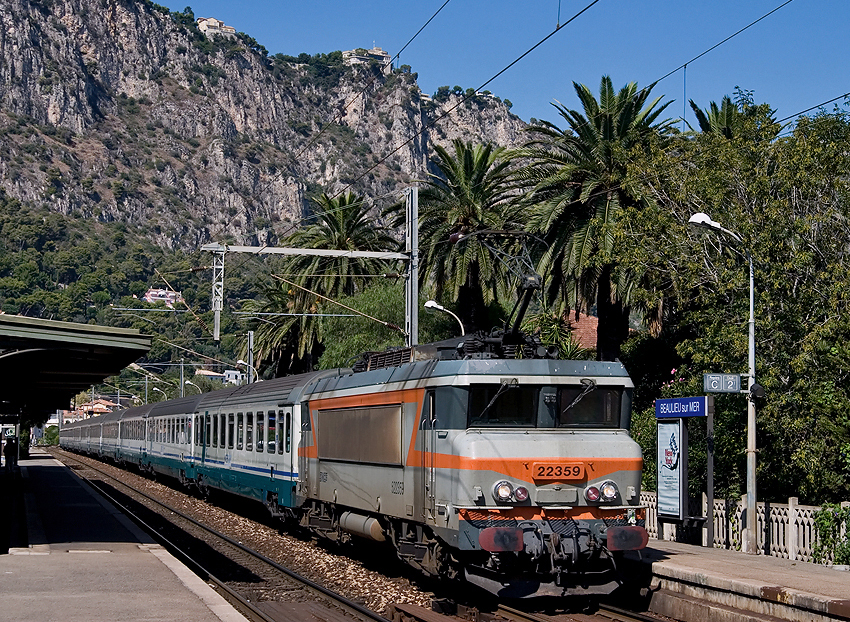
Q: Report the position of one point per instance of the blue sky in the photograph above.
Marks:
(794, 59)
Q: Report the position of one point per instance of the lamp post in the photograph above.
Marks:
(194, 385)
(703, 221)
(433, 304)
(252, 371)
(161, 391)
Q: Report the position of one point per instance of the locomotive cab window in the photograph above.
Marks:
(503, 405)
(589, 406)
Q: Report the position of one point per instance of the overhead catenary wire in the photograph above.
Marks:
(344, 306)
(717, 45)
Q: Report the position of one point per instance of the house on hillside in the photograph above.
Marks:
(211, 26)
(361, 56)
(169, 297)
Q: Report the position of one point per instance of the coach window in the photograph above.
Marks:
(272, 432)
(240, 430)
(231, 424)
(223, 431)
(281, 430)
(249, 431)
(261, 431)
(288, 432)
(208, 426)
(215, 430)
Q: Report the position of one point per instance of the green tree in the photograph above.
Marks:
(788, 200)
(341, 223)
(471, 192)
(581, 186)
(347, 337)
(722, 120)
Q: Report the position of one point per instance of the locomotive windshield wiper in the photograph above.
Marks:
(589, 385)
(513, 383)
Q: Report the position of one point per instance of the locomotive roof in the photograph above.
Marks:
(495, 369)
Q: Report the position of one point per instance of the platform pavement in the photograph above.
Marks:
(698, 583)
(86, 561)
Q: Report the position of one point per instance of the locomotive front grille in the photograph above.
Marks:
(566, 527)
(482, 520)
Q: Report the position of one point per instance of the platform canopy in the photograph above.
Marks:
(45, 363)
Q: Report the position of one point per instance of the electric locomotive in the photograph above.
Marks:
(482, 457)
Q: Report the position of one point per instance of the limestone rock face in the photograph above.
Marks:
(121, 111)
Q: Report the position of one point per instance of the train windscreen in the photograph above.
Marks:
(512, 405)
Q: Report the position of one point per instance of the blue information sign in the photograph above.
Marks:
(681, 407)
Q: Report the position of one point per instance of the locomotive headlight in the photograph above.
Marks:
(609, 491)
(591, 493)
(503, 491)
(521, 494)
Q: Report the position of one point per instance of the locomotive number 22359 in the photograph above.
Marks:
(559, 471)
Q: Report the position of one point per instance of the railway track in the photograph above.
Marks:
(267, 591)
(262, 589)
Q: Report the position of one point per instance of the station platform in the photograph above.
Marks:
(690, 582)
(67, 554)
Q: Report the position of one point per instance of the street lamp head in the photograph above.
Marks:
(241, 362)
(701, 220)
(433, 304)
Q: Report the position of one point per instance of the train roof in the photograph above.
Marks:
(285, 390)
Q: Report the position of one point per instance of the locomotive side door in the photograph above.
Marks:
(427, 480)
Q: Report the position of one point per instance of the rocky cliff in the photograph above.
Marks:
(119, 110)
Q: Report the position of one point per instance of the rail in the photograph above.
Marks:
(355, 609)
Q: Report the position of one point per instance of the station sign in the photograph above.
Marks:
(682, 407)
(721, 383)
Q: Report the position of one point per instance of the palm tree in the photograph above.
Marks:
(580, 188)
(341, 223)
(469, 193)
(723, 120)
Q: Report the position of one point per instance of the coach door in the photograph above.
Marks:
(427, 479)
(146, 439)
(284, 422)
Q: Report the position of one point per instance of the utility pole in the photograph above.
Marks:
(411, 289)
(218, 290)
(250, 356)
(182, 384)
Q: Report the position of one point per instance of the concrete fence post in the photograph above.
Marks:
(743, 524)
(708, 517)
(844, 534)
(791, 533)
